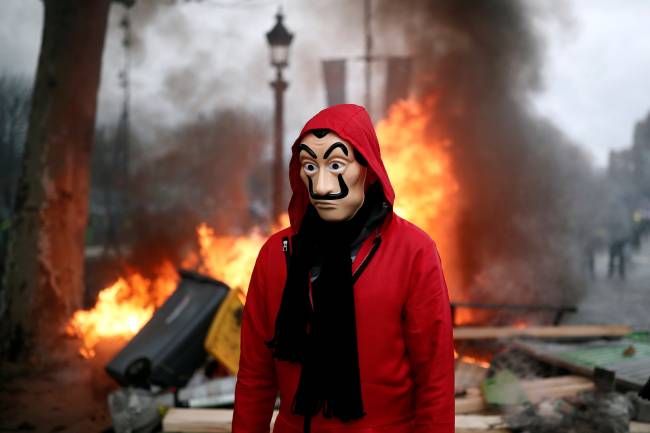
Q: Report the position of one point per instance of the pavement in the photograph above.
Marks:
(66, 395)
(614, 300)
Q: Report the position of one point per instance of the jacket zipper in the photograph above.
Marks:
(366, 260)
(285, 248)
(364, 263)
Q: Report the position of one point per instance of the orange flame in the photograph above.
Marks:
(419, 167)
(520, 324)
(229, 258)
(416, 156)
(466, 316)
(122, 308)
(471, 360)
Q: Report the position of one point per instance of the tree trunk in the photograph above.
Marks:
(44, 279)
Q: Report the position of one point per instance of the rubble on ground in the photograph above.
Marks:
(535, 379)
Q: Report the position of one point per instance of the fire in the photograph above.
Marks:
(520, 324)
(417, 157)
(122, 308)
(229, 258)
(467, 316)
(471, 360)
(419, 167)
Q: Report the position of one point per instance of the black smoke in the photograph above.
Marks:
(520, 223)
(210, 170)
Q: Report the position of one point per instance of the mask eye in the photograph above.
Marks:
(336, 167)
(309, 168)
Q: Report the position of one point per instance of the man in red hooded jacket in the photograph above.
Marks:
(347, 313)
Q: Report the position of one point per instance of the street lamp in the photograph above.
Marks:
(279, 40)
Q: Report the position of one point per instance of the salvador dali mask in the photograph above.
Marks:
(333, 176)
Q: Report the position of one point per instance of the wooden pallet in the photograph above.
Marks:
(567, 331)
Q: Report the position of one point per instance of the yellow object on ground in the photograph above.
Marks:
(222, 340)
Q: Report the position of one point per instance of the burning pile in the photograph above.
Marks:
(126, 305)
(122, 309)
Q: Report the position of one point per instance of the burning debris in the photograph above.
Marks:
(161, 365)
(547, 398)
(169, 348)
(514, 378)
(124, 307)
(491, 395)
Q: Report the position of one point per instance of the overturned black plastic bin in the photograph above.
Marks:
(169, 348)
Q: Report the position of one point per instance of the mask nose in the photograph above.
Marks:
(326, 183)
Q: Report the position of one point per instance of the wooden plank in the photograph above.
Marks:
(558, 381)
(536, 390)
(555, 387)
(480, 423)
(481, 430)
(469, 404)
(183, 420)
(198, 420)
(567, 331)
(537, 395)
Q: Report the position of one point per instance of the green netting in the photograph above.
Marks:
(600, 356)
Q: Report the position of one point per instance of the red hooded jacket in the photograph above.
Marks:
(404, 331)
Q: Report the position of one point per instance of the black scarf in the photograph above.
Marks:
(324, 340)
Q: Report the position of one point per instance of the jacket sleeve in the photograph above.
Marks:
(256, 388)
(429, 343)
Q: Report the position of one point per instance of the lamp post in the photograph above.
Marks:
(279, 40)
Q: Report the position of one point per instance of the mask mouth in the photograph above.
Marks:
(336, 196)
(324, 205)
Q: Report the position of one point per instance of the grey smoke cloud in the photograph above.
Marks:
(521, 180)
(189, 58)
(595, 61)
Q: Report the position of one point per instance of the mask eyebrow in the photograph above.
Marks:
(334, 146)
(303, 146)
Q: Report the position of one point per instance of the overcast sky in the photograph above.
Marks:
(597, 72)
(596, 64)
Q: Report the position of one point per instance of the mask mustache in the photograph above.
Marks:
(336, 196)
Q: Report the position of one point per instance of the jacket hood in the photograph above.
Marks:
(352, 123)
